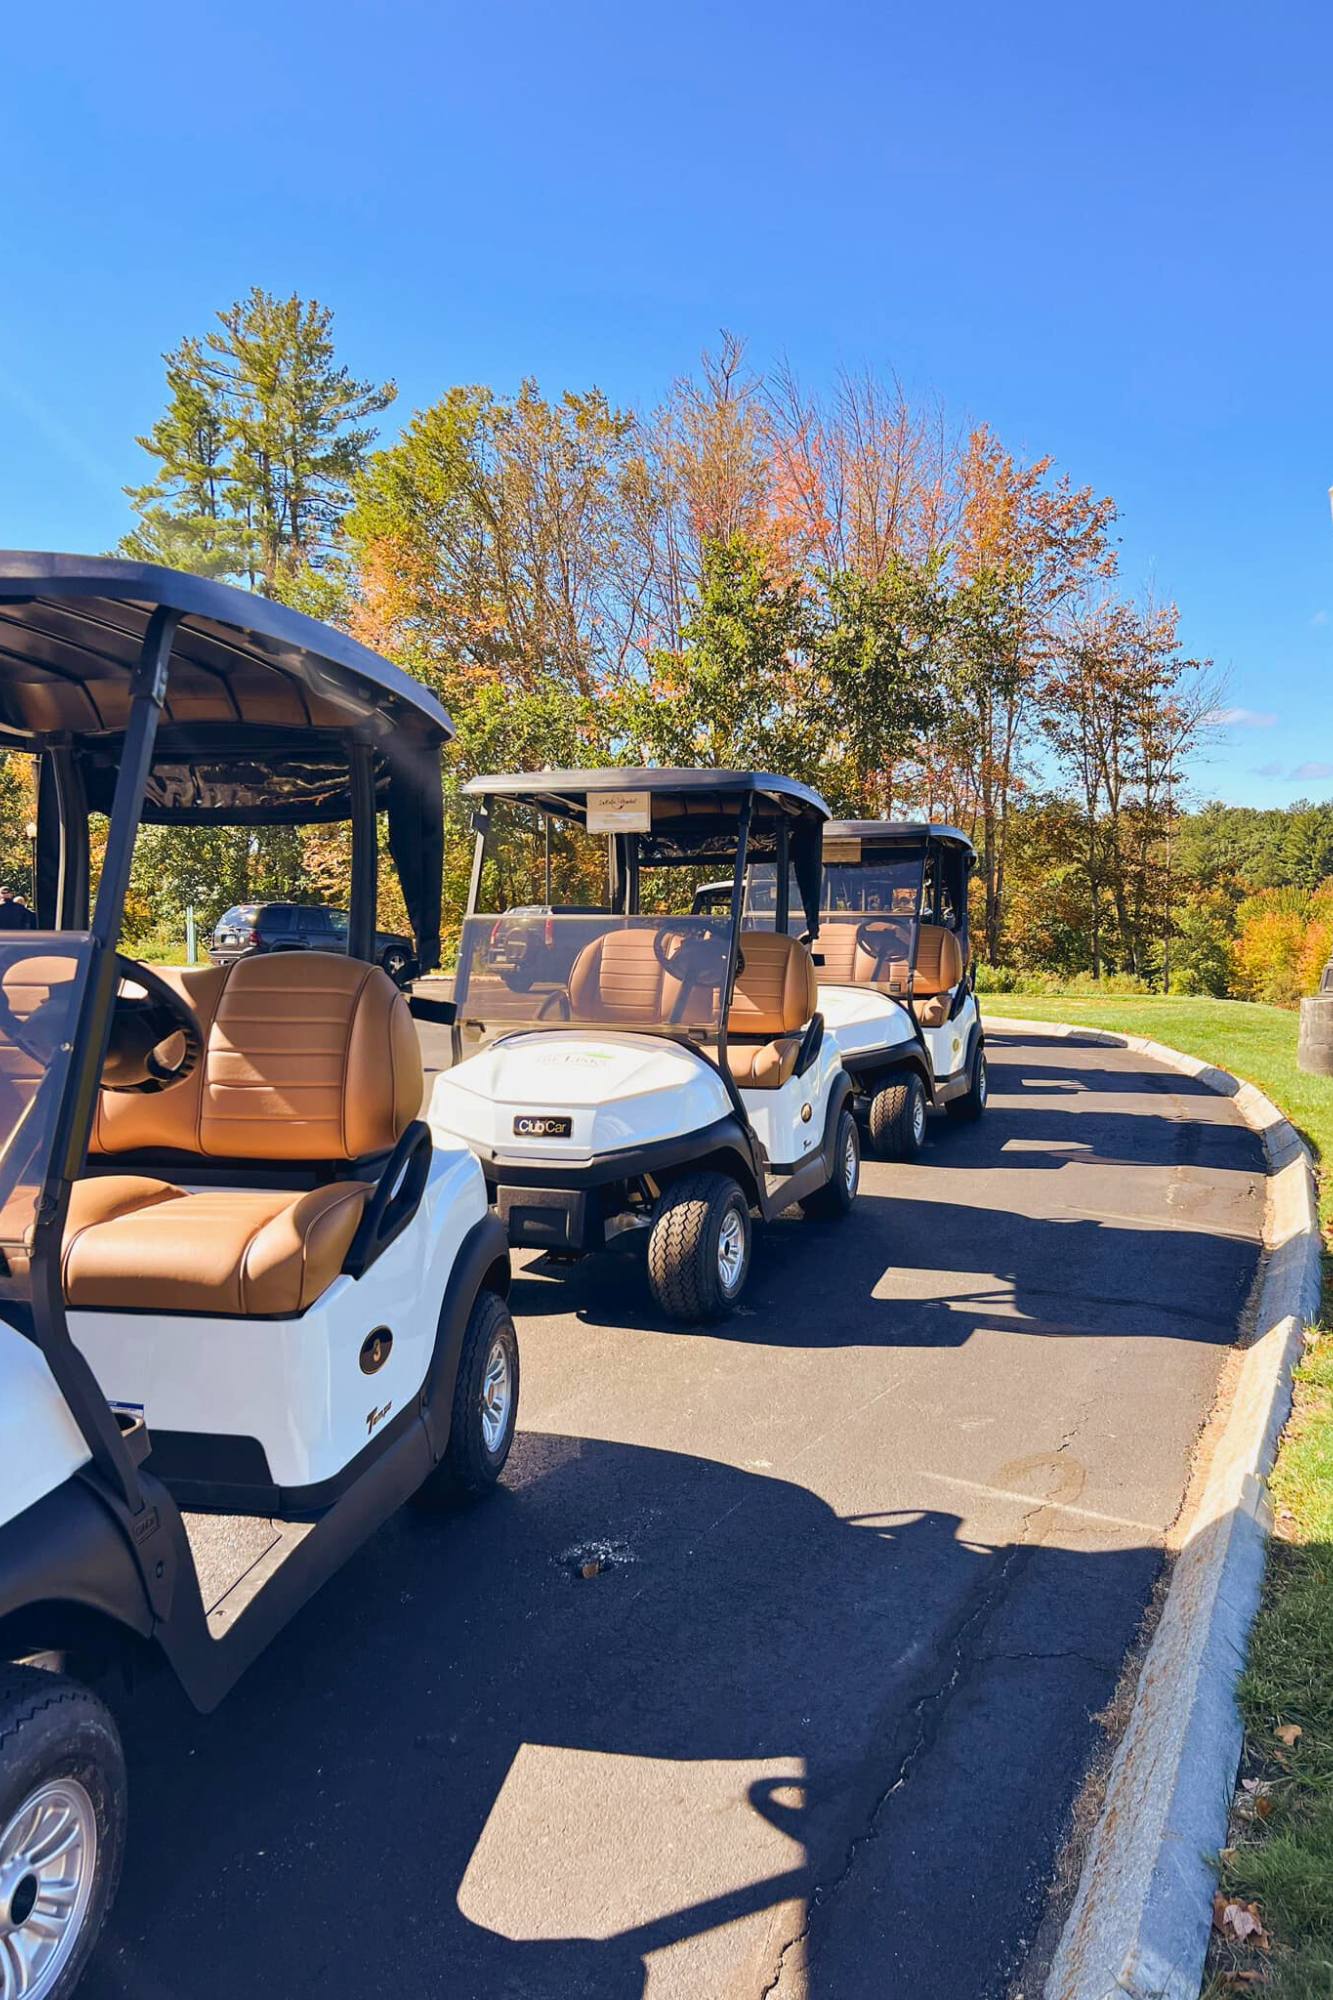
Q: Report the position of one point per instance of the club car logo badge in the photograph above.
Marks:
(543, 1125)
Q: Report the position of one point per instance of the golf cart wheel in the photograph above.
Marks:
(485, 1407)
(838, 1193)
(62, 1830)
(699, 1247)
(969, 1107)
(898, 1118)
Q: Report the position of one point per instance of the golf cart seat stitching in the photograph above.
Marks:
(134, 1242)
(619, 977)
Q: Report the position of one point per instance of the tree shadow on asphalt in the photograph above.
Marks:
(361, 1817)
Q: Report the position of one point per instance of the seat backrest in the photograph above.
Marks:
(847, 962)
(775, 991)
(619, 977)
(939, 960)
(312, 1058)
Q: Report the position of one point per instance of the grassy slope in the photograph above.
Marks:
(1284, 1859)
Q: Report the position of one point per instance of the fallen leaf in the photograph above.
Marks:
(1226, 1856)
(1238, 1982)
(591, 1569)
(1244, 1923)
(1289, 1733)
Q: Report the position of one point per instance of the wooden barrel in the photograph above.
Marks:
(1314, 1050)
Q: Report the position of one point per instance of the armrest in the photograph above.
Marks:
(396, 1199)
(811, 1043)
(421, 1008)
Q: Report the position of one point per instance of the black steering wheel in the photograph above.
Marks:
(692, 956)
(141, 1026)
(878, 937)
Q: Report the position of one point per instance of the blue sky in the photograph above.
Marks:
(1105, 230)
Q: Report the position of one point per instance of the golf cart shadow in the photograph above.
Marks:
(468, 1769)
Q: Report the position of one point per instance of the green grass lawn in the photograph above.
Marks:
(1281, 1858)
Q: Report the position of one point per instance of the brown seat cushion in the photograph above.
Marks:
(763, 1065)
(143, 1245)
(619, 977)
(775, 991)
(307, 1056)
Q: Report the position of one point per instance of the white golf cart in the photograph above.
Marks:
(895, 970)
(666, 1072)
(247, 1305)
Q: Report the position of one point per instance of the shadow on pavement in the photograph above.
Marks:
(466, 1771)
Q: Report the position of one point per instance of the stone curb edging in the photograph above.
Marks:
(1141, 1915)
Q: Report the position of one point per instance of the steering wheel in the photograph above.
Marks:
(692, 956)
(139, 1027)
(877, 937)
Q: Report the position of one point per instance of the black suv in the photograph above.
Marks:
(252, 927)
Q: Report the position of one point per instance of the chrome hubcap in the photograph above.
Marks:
(497, 1394)
(919, 1119)
(983, 1084)
(48, 1859)
(731, 1250)
(850, 1163)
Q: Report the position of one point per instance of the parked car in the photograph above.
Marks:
(248, 928)
(526, 944)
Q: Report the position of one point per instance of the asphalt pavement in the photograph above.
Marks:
(872, 1554)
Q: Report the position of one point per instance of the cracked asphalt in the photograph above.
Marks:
(873, 1554)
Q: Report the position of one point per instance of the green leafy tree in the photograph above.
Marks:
(878, 685)
(740, 690)
(262, 436)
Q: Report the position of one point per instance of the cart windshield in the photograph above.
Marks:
(870, 906)
(41, 979)
(545, 946)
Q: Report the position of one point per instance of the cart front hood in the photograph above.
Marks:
(616, 1091)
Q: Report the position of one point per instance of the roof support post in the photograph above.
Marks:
(737, 902)
(77, 1382)
(365, 854)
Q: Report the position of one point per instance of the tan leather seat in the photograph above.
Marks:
(848, 962)
(312, 1059)
(774, 1000)
(619, 977)
(939, 967)
(144, 1245)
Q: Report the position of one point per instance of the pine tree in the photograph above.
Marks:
(263, 434)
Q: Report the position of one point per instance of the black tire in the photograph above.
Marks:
(837, 1195)
(471, 1465)
(898, 1118)
(519, 979)
(52, 1731)
(684, 1247)
(969, 1107)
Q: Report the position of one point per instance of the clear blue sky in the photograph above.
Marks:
(1104, 229)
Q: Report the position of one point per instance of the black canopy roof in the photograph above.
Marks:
(695, 814)
(896, 829)
(262, 707)
(71, 628)
(554, 790)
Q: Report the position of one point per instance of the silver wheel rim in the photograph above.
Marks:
(48, 1861)
(982, 1083)
(497, 1395)
(850, 1163)
(731, 1250)
(918, 1117)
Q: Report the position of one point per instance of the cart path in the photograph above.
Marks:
(877, 1548)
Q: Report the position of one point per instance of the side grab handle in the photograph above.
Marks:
(395, 1201)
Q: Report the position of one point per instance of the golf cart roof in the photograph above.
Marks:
(248, 678)
(561, 791)
(889, 830)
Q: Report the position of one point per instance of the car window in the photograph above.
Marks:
(337, 921)
(312, 923)
(277, 917)
(240, 915)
